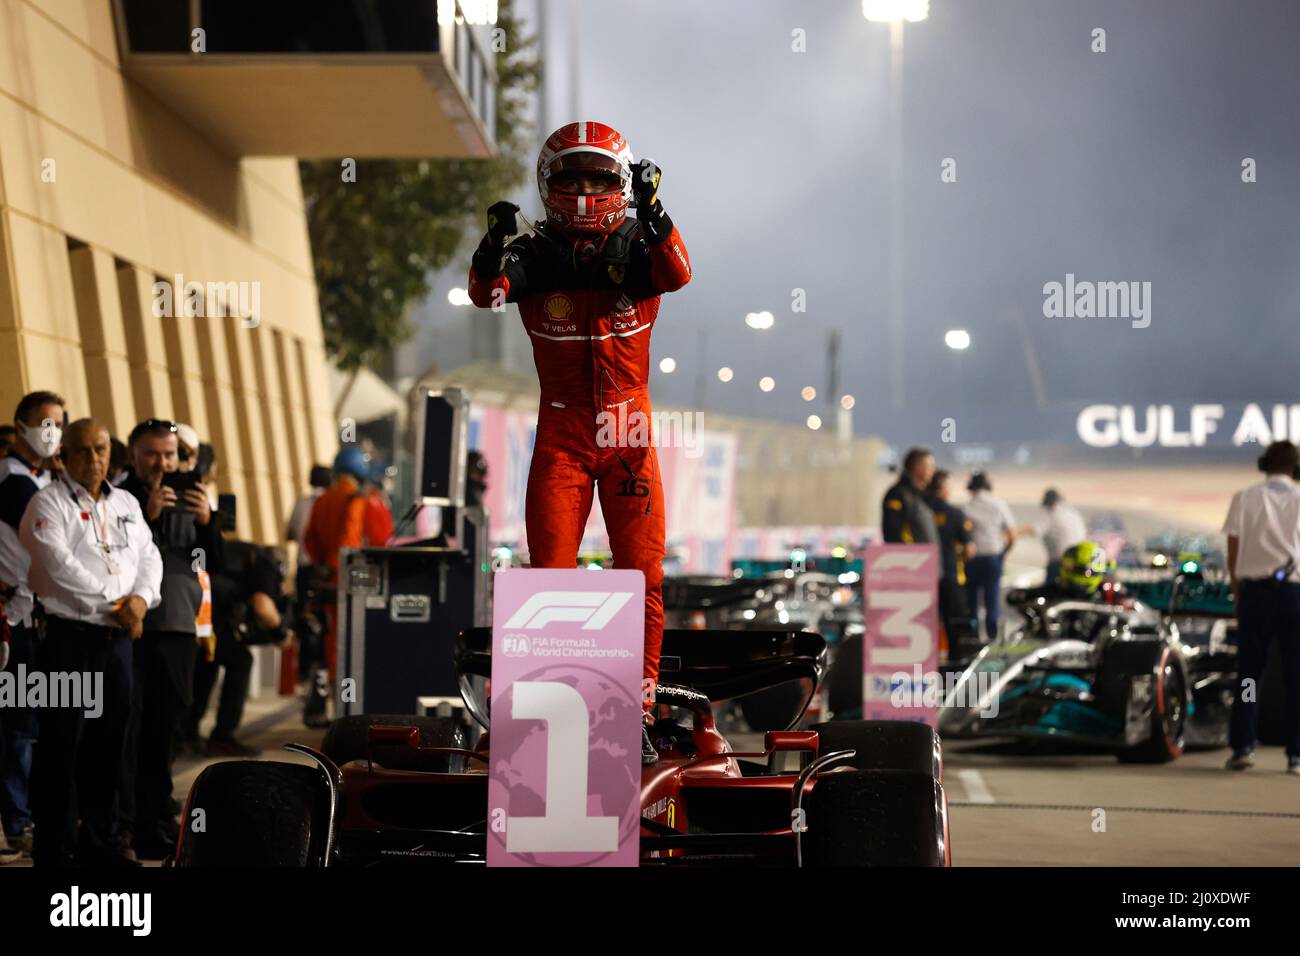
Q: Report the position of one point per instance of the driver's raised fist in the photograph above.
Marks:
(645, 183)
(501, 221)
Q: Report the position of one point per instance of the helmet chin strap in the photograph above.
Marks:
(584, 246)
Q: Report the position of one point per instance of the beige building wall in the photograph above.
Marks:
(103, 191)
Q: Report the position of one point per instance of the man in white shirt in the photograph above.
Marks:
(96, 571)
(1061, 528)
(992, 533)
(1263, 529)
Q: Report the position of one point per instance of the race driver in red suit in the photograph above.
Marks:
(587, 282)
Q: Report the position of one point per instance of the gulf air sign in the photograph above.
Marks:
(1168, 426)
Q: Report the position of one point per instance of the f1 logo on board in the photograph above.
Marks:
(593, 609)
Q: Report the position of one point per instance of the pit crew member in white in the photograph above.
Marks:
(96, 571)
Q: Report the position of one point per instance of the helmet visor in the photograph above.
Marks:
(587, 162)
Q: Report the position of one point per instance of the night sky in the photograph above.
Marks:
(1115, 166)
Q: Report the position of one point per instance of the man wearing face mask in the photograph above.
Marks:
(38, 432)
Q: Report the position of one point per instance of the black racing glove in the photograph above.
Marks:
(649, 210)
(501, 226)
(501, 222)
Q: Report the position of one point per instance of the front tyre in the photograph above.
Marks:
(255, 813)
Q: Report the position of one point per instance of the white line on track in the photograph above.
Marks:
(977, 790)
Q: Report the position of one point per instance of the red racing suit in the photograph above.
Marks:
(589, 306)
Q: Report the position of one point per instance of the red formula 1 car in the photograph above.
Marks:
(413, 789)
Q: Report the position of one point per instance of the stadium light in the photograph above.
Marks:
(458, 296)
(808, 393)
(767, 383)
(957, 339)
(725, 374)
(668, 365)
(760, 320)
(814, 422)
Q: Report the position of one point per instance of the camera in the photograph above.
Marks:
(181, 482)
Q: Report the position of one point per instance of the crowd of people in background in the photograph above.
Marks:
(1263, 565)
(120, 564)
(973, 540)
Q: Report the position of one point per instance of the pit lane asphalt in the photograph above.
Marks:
(1010, 807)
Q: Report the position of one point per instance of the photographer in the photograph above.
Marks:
(246, 598)
(185, 529)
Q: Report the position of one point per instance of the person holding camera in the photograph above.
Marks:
(186, 531)
(1263, 529)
